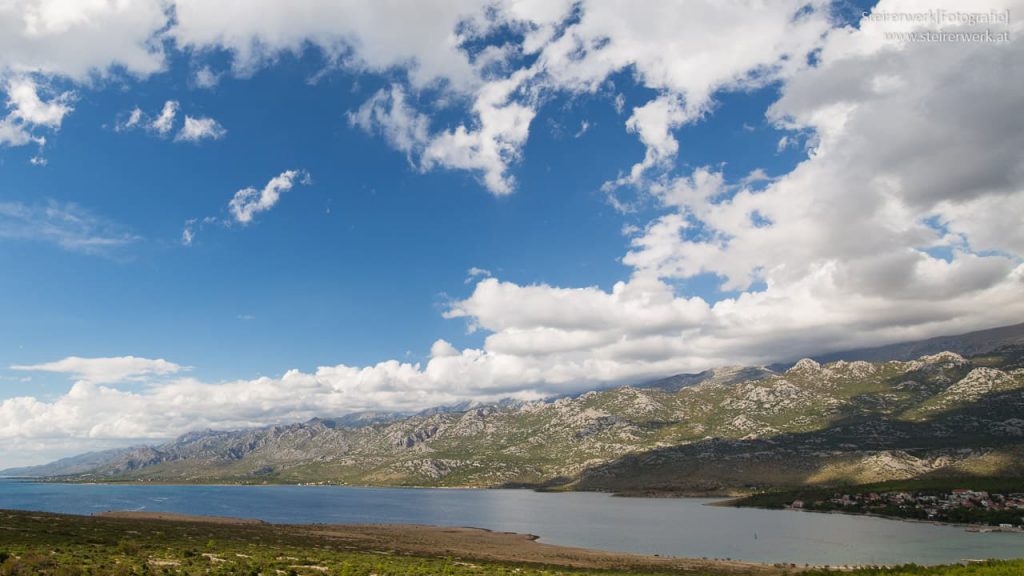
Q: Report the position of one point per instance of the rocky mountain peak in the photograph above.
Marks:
(944, 358)
(805, 365)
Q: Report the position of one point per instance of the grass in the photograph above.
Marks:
(57, 545)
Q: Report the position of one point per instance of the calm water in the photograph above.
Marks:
(676, 527)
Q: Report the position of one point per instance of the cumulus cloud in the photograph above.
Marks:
(388, 114)
(66, 225)
(456, 49)
(42, 40)
(164, 122)
(79, 39)
(895, 150)
(488, 146)
(27, 112)
(26, 105)
(495, 140)
(13, 133)
(196, 129)
(371, 36)
(248, 202)
(686, 55)
(193, 128)
(105, 370)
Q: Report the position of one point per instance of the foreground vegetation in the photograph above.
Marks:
(50, 544)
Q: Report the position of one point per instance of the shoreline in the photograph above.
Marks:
(465, 542)
(468, 543)
(534, 488)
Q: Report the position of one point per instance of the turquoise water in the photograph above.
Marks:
(666, 526)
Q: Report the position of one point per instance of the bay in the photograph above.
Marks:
(667, 526)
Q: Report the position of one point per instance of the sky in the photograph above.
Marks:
(231, 214)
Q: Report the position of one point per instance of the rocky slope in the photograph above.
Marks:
(67, 466)
(721, 431)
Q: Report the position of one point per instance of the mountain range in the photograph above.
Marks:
(954, 412)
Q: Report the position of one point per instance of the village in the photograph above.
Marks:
(1005, 512)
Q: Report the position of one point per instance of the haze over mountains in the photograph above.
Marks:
(722, 430)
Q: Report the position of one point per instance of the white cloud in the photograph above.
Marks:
(164, 122)
(653, 123)
(783, 143)
(193, 226)
(885, 161)
(544, 340)
(487, 146)
(193, 129)
(196, 129)
(188, 233)
(78, 39)
(105, 370)
(25, 104)
(13, 133)
(473, 273)
(685, 54)
(205, 77)
(248, 202)
(28, 112)
(64, 224)
(584, 128)
(493, 142)
(134, 120)
(388, 113)
(371, 36)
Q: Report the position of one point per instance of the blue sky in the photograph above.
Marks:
(528, 200)
(353, 268)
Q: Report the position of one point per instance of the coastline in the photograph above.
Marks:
(970, 527)
(540, 488)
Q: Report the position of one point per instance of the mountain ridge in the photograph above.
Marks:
(721, 431)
